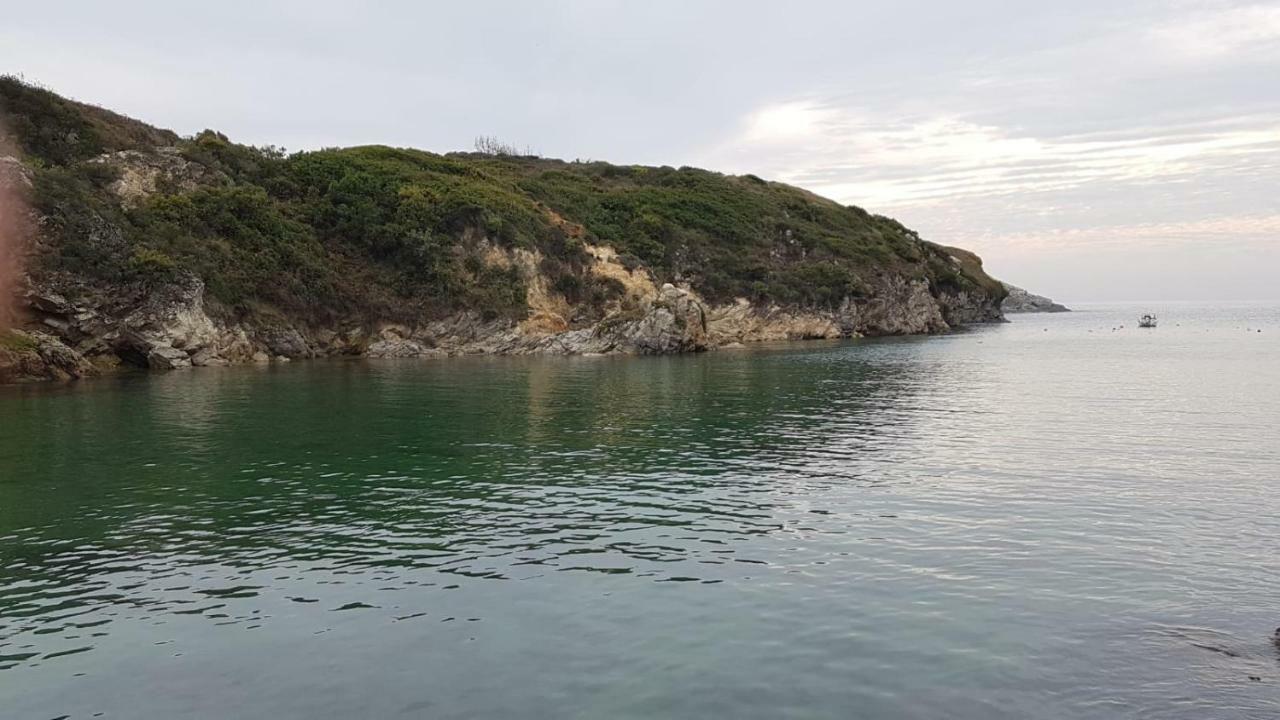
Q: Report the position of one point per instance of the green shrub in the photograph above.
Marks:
(58, 131)
(152, 265)
(10, 340)
(84, 224)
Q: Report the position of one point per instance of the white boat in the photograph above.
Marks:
(1147, 321)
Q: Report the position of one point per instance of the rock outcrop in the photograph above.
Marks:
(142, 174)
(1021, 301)
(900, 307)
(36, 355)
(169, 327)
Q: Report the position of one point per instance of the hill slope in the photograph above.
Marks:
(150, 249)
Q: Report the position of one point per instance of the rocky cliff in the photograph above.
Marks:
(1021, 301)
(144, 249)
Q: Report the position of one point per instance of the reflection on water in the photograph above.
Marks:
(995, 524)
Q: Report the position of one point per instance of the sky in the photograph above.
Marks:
(1096, 150)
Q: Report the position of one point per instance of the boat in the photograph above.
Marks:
(1147, 321)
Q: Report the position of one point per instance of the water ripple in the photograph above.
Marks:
(995, 524)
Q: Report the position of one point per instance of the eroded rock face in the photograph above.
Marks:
(900, 306)
(674, 322)
(162, 328)
(175, 315)
(170, 327)
(969, 308)
(396, 341)
(743, 322)
(142, 174)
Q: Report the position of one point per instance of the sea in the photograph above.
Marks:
(1062, 516)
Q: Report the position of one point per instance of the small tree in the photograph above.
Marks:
(490, 145)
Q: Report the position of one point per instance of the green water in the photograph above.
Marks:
(1042, 519)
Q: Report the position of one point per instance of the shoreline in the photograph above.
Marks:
(121, 370)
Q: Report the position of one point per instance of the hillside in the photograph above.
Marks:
(142, 247)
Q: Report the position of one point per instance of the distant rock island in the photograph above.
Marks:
(1021, 301)
(143, 248)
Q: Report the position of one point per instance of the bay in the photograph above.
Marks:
(1064, 516)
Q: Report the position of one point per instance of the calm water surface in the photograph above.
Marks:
(1048, 519)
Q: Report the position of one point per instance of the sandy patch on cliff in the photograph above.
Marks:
(638, 285)
(549, 312)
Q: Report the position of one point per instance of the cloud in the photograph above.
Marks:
(856, 158)
(1220, 32)
(1007, 126)
(1259, 231)
(785, 122)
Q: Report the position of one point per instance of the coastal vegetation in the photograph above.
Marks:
(377, 231)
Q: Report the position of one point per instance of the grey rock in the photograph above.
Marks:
(399, 348)
(897, 306)
(143, 174)
(287, 342)
(40, 356)
(50, 302)
(207, 357)
(1021, 301)
(166, 357)
(56, 324)
(675, 322)
(397, 341)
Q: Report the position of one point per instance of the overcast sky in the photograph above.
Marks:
(1089, 150)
